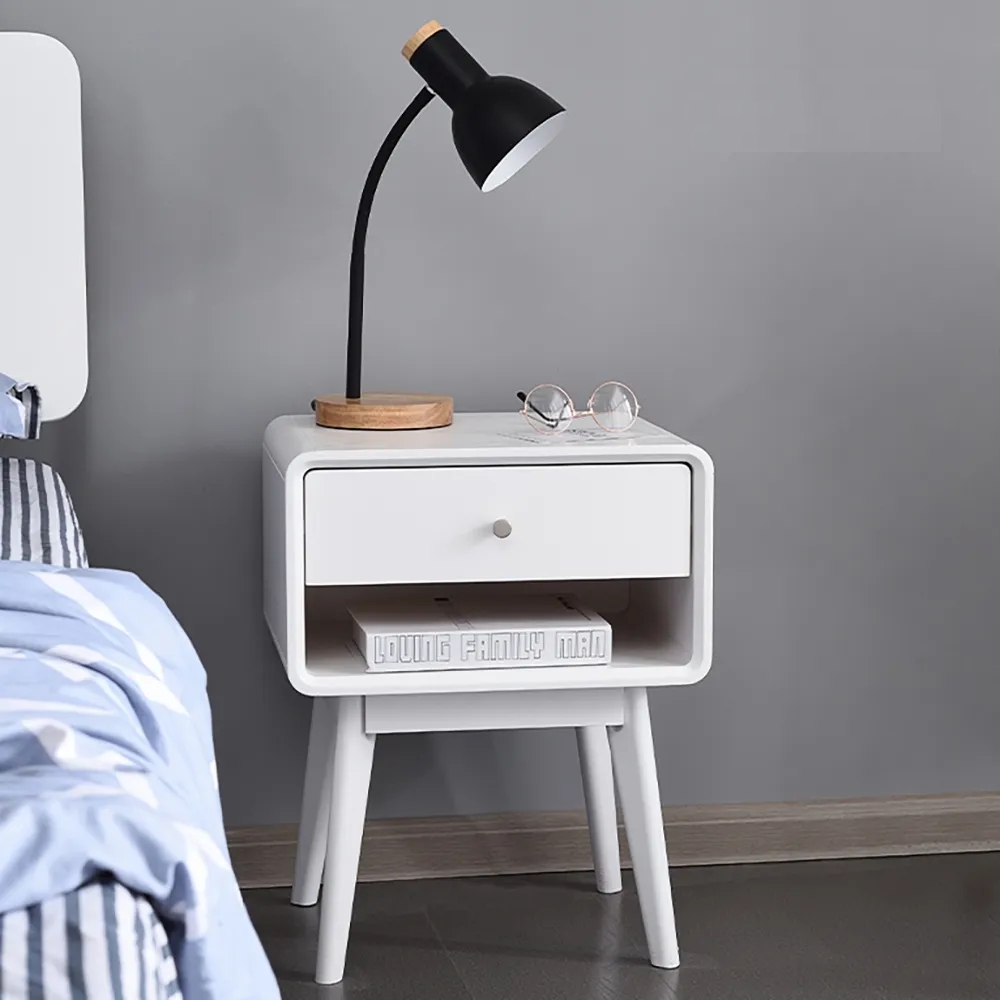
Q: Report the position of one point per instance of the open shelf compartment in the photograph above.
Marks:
(653, 624)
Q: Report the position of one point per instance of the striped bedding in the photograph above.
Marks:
(38, 522)
(107, 766)
(37, 519)
(98, 943)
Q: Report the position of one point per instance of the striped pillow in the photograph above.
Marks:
(37, 519)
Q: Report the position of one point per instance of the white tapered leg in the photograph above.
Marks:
(315, 816)
(350, 774)
(639, 793)
(599, 795)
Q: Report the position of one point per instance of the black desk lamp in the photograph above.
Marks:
(499, 123)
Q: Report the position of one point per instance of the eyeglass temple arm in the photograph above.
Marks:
(524, 399)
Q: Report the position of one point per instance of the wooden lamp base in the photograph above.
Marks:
(384, 411)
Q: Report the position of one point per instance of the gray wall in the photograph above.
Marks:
(778, 220)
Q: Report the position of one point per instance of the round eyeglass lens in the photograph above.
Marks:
(548, 409)
(614, 406)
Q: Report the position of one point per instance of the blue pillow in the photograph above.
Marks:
(20, 409)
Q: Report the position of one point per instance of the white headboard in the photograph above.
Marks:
(43, 297)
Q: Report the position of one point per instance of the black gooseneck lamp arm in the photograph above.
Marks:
(356, 293)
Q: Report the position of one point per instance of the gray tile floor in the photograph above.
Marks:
(893, 929)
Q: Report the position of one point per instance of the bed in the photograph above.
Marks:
(115, 880)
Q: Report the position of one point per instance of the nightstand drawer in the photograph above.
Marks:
(522, 522)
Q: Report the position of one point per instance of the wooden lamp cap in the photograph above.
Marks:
(384, 411)
(418, 38)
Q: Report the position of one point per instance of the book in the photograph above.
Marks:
(453, 633)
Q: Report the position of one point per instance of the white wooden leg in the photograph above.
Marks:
(314, 819)
(350, 774)
(599, 795)
(639, 792)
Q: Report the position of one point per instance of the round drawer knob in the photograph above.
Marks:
(502, 528)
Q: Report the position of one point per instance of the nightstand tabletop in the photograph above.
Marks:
(474, 438)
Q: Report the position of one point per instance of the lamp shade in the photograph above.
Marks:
(499, 123)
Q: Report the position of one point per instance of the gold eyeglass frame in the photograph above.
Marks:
(575, 413)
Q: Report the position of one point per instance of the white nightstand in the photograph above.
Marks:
(625, 522)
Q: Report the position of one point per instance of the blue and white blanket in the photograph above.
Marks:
(107, 765)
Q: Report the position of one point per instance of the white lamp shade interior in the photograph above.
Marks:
(532, 144)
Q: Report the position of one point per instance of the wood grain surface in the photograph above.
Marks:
(418, 38)
(522, 843)
(384, 411)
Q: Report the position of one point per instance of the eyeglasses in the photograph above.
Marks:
(550, 410)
